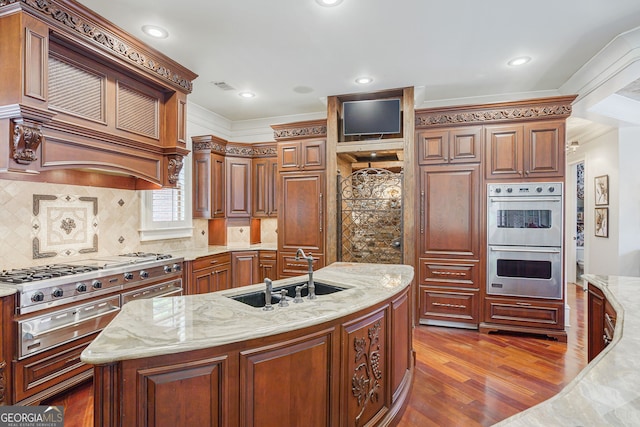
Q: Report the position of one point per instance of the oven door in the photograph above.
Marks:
(524, 221)
(525, 271)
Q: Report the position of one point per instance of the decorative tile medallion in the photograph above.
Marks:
(64, 225)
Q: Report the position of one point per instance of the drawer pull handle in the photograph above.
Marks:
(526, 304)
(439, 304)
(448, 273)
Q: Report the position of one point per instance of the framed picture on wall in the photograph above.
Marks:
(602, 222)
(602, 190)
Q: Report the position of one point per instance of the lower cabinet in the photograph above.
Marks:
(289, 266)
(268, 265)
(352, 371)
(208, 274)
(536, 316)
(602, 322)
(449, 293)
(244, 268)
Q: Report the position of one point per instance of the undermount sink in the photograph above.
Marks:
(257, 298)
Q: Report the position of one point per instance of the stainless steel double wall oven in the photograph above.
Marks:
(524, 239)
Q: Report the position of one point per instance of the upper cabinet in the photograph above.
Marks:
(306, 154)
(265, 187)
(79, 94)
(452, 145)
(238, 173)
(528, 151)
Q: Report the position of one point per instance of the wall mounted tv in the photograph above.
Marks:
(371, 117)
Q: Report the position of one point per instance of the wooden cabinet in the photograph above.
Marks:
(537, 316)
(209, 274)
(525, 151)
(238, 176)
(602, 321)
(264, 187)
(7, 347)
(289, 266)
(454, 145)
(208, 185)
(268, 265)
(449, 244)
(244, 268)
(306, 154)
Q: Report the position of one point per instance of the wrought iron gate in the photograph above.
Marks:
(370, 217)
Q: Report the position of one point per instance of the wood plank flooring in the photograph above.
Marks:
(463, 377)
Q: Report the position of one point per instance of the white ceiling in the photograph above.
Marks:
(295, 53)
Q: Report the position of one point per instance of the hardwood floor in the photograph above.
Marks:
(463, 377)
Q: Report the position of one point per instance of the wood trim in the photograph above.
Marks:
(534, 109)
(299, 130)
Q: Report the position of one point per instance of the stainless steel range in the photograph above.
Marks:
(61, 307)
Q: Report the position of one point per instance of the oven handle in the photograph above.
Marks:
(30, 335)
(524, 249)
(533, 199)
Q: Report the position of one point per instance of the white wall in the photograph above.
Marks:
(629, 202)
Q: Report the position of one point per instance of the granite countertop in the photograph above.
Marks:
(7, 290)
(607, 391)
(191, 254)
(176, 324)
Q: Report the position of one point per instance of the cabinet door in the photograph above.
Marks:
(433, 146)
(504, 151)
(289, 156)
(218, 186)
(465, 144)
(202, 184)
(223, 277)
(544, 149)
(268, 265)
(450, 211)
(272, 187)
(238, 187)
(244, 268)
(203, 281)
(301, 214)
(302, 155)
(260, 189)
(595, 313)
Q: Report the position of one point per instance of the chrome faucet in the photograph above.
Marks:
(267, 296)
(312, 288)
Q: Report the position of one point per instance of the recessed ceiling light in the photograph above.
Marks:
(154, 31)
(328, 3)
(519, 61)
(364, 80)
(247, 95)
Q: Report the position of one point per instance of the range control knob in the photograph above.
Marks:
(552, 189)
(97, 284)
(167, 269)
(498, 190)
(177, 267)
(144, 274)
(539, 189)
(509, 190)
(37, 297)
(56, 293)
(128, 276)
(81, 287)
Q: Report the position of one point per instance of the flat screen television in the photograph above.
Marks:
(371, 117)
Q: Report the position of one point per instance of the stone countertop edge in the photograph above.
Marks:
(191, 254)
(169, 325)
(607, 390)
(6, 290)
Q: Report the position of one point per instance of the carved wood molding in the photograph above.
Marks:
(237, 149)
(543, 108)
(97, 33)
(365, 382)
(27, 137)
(174, 168)
(3, 381)
(308, 129)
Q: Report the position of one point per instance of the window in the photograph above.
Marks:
(166, 213)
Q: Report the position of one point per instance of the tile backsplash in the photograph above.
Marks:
(59, 221)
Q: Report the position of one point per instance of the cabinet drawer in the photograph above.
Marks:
(453, 274)
(451, 306)
(210, 261)
(290, 267)
(539, 314)
(53, 369)
(267, 255)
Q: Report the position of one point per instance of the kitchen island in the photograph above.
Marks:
(342, 359)
(607, 391)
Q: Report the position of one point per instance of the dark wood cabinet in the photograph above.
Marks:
(209, 274)
(537, 316)
(525, 151)
(238, 189)
(602, 321)
(451, 145)
(449, 244)
(244, 268)
(264, 187)
(208, 185)
(306, 154)
(7, 347)
(268, 265)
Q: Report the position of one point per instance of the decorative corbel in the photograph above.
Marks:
(175, 166)
(27, 137)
